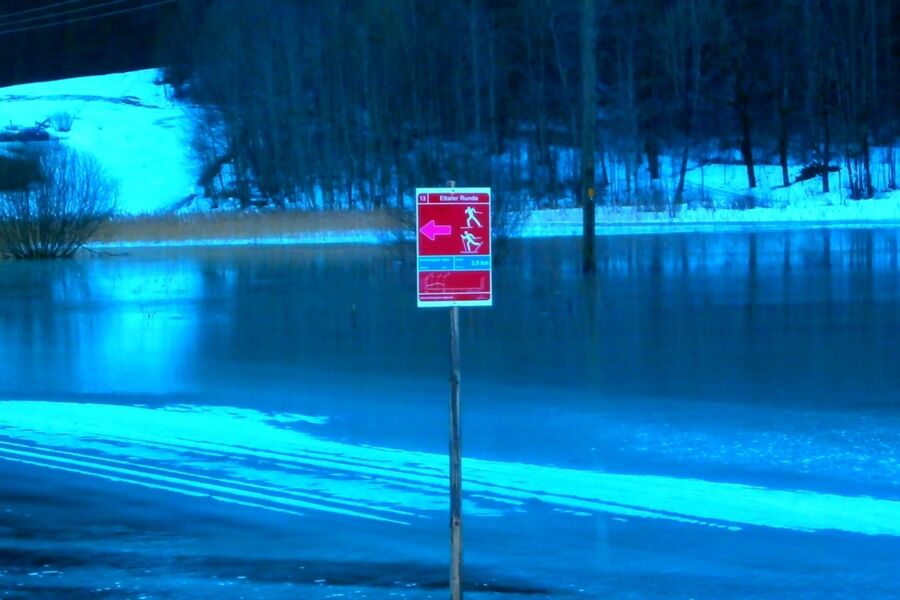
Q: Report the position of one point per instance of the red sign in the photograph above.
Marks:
(453, 246)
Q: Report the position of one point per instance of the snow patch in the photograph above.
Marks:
(250, 458)
(127, 121)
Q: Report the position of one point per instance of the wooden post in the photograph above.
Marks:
(455, 463)
(455, 458)
(588, 36)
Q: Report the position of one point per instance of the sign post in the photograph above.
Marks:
(455, 463)
(453, 268)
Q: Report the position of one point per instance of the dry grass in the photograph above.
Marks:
(245, 225)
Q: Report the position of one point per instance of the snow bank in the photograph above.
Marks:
(810, 213)
(286, 463)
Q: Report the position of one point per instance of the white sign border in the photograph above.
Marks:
(460, 303)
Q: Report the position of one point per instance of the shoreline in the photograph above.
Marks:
(382, 228)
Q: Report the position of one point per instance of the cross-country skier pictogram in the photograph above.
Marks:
(471, 217)
(471, 243)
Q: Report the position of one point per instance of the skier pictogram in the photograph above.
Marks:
(472, 217)
(471, 243)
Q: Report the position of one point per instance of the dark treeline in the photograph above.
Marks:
(347, 103)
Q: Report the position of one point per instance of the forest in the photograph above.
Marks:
(351, 104)
(343, 103)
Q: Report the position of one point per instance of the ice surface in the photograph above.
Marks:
(716, 418)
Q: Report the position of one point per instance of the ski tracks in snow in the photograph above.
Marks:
(286, 463)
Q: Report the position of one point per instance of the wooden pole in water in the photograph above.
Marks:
(455, 458)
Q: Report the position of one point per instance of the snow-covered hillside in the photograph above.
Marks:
(126, 121)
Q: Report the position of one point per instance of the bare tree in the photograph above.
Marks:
(348, 104)
(688, 31)
(787, 74)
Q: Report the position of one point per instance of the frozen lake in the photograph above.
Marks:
(712, 416)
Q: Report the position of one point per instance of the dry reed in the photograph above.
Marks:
(243, 225)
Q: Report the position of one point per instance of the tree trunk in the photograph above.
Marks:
(783, 145)
(743, 102)
(492, 94)
(476, 71)
(589, 115)
(826, 152)
(651, 147)
(682, 172)
(869, 189)
(892, 169)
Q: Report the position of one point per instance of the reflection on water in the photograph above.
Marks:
(795, 317)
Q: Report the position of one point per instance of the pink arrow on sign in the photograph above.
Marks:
(431, 230)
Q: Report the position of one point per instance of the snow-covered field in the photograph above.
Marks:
(813, 213)
(141, 136)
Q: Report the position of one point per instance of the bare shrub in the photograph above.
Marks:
(509, 214)
(62, 121)
(211, 150)
(58, 214)
(18, 170)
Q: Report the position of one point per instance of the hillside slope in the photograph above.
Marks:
(126, 121)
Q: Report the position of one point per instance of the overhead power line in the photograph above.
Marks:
(65, 13)
(82, 19)
(40, 9)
